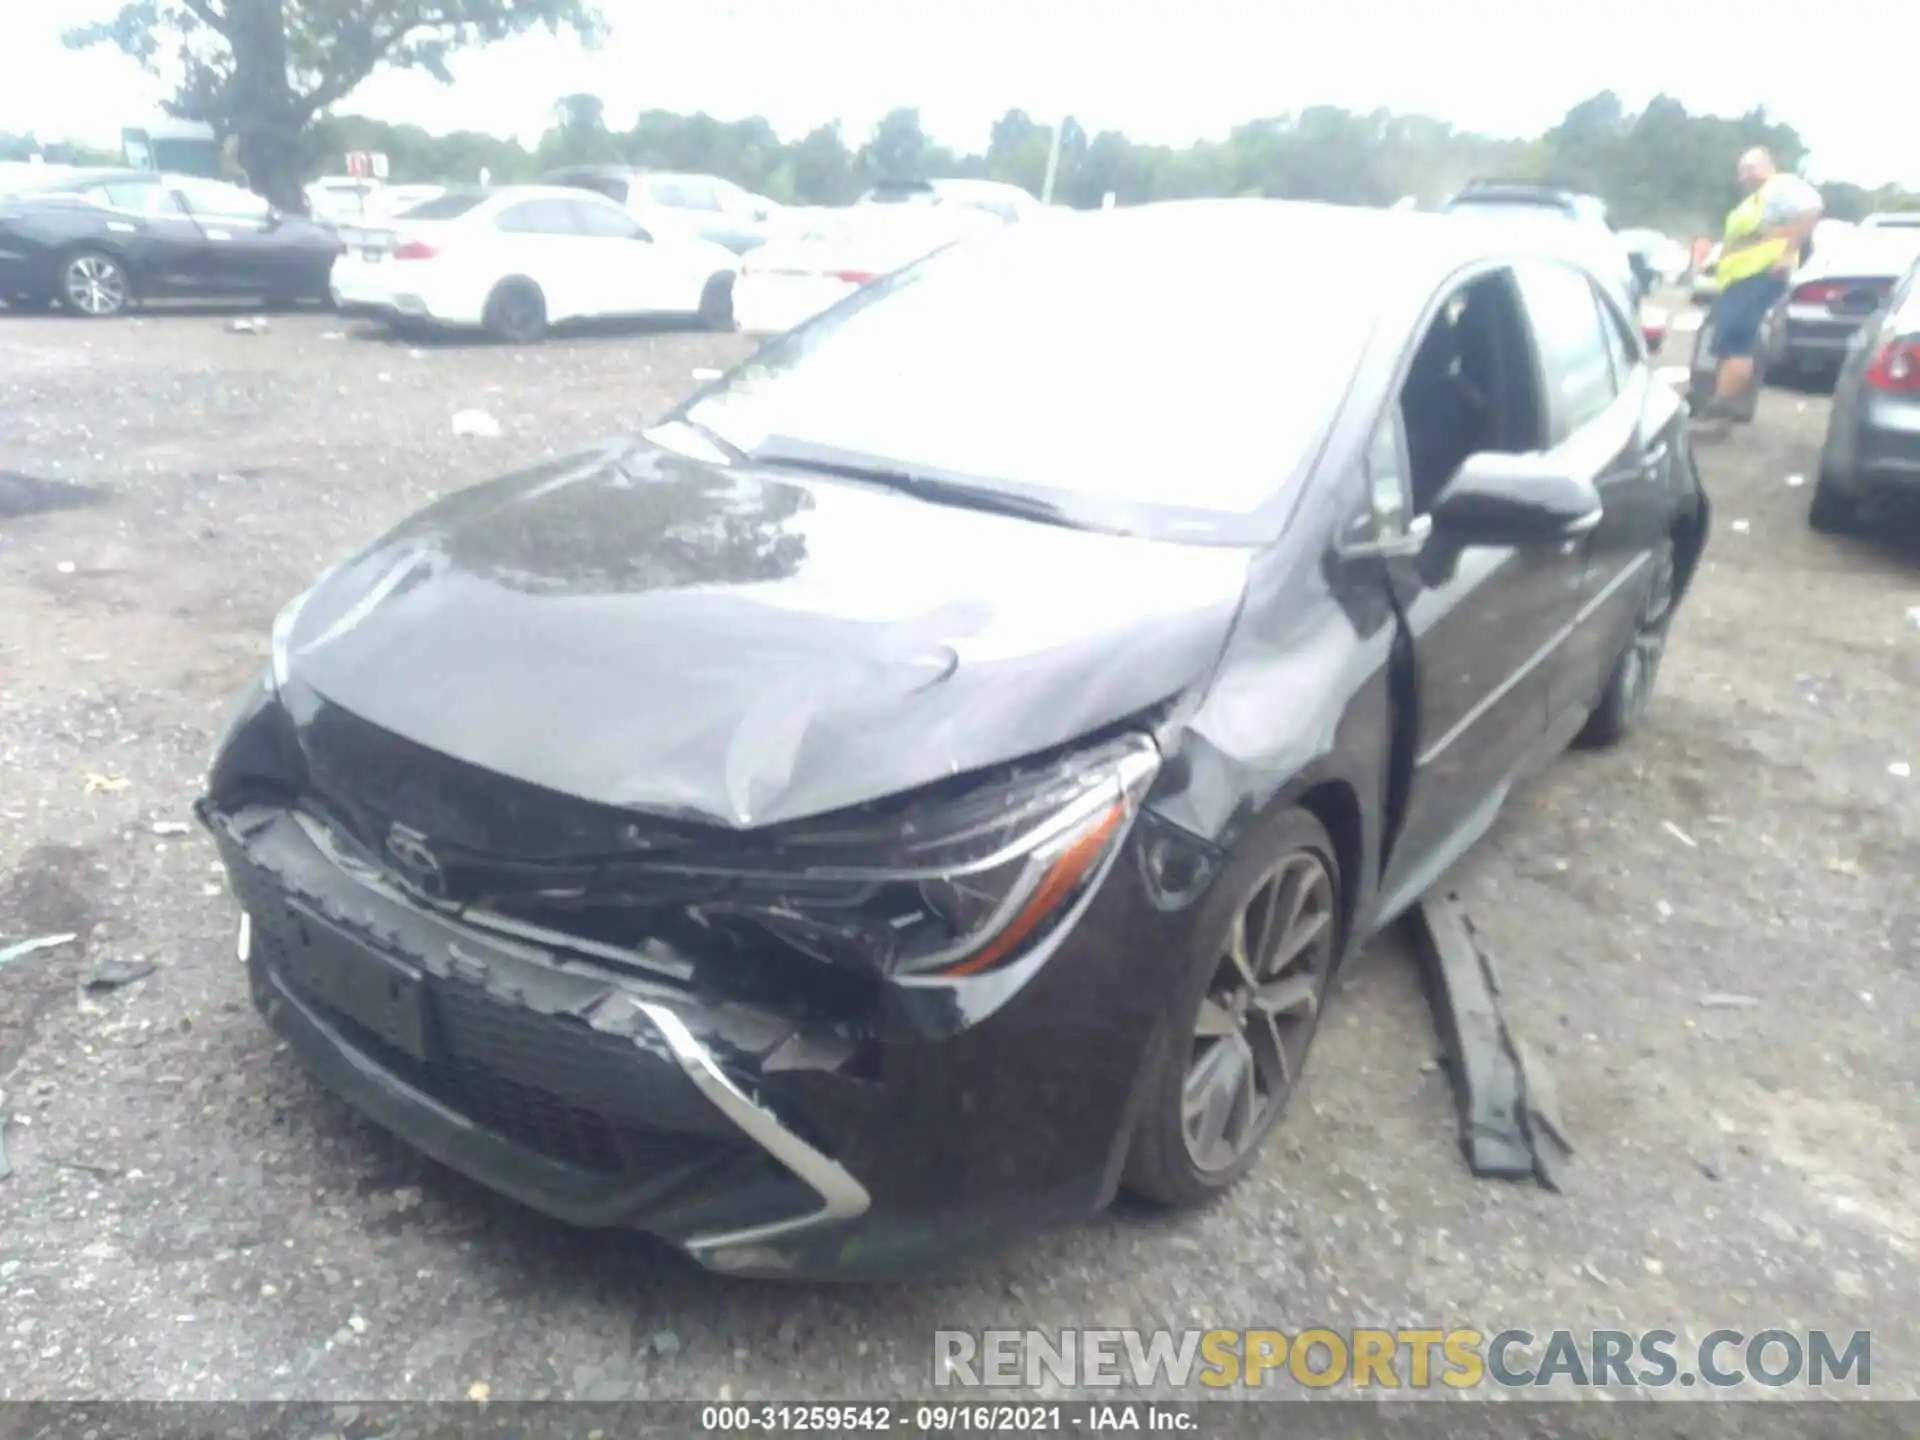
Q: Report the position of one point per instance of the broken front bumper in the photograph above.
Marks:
(760, 1143)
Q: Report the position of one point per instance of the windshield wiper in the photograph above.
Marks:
(735, 455)
(940, 489)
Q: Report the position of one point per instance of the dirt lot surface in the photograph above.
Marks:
(1713, 931)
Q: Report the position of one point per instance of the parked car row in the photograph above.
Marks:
(595, 242)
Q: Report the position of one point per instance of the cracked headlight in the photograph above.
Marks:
(954, 886)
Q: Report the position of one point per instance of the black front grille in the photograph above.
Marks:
(538, 1119)
(548, 1083)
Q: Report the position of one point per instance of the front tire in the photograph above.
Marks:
(516, 312)
(1630, 684)
(94, 284)
(1244, 1016)
(716, 303)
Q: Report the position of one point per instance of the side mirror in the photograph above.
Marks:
(1499, 499)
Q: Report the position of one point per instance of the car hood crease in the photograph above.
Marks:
(742, 647)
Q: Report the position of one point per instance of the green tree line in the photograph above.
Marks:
(271, 75)
(1661, 166)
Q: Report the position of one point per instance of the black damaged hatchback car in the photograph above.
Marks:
(927, 782)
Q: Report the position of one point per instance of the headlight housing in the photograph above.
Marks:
(948, 887)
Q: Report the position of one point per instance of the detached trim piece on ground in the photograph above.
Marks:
(1509, 1119)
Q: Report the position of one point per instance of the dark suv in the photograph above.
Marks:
(1534, 196)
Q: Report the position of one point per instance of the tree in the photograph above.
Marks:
(1661, 166)
(898, 149)
(580, 135)
(262, 70)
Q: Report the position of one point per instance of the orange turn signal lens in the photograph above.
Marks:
(1062, 878)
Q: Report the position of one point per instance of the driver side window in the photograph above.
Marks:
(1470, 387)
(218, 201)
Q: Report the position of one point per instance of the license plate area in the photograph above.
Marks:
(382, 994)
(372, 254)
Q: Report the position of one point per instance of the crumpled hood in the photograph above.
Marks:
(745, 647)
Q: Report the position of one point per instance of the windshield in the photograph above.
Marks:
(1157, 378)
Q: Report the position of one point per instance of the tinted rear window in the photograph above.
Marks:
(539, 217)
(450, 206)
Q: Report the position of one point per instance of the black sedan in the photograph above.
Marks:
(929, 781)
(97, 241)
(1872, 450)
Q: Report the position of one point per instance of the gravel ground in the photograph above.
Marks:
(189, 1217)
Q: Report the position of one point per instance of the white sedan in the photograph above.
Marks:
(818, 258)
(519, 259)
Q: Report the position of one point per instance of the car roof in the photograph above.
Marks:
(635, 172)
(104, 174)
(962, 183)
(1521, 190)
(511, 193)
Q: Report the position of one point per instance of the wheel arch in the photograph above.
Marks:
(1689, 528)
(1336, 805)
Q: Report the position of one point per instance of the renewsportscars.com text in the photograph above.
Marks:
(1410, 1359)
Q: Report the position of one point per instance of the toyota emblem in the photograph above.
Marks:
(408, 849)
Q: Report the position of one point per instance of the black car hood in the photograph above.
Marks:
(742, 647)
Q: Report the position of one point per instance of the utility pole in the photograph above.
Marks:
(1053, 161)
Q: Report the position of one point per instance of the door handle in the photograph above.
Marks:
(1654, 459)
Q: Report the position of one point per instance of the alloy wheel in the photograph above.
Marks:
(94, 285)
(1258, 1014)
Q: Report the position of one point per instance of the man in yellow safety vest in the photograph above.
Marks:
(1766, 235)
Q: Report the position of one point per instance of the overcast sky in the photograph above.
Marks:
(1170, 71)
